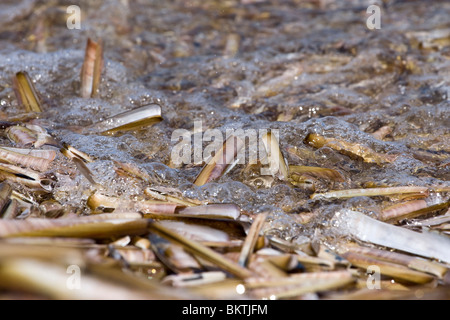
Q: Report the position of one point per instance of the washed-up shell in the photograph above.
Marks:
(222, 159)
(200, 250)
(191, 280)
(173, 256)
(352, 149)
(30, 160)
(370, 192)
(80, 159)
(26, 177)
(52, 279)
(21, 136)
(229, 211)
(92, 68)
(278, 166)
(26, 94)
(414, 263)
(297, 284)
(98, 226)
(5, 193)
(196, 232)
(316, 172)
(252, 237)
(388, 268)
(30, 135)
(396, 211)
(367, 229)
(99, 201)
(130, 120)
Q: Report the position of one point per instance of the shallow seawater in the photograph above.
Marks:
(300, 67)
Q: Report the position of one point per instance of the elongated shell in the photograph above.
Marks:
(21, 136)
(33, 162)
(91, 70)
(369, 192)
(98, 226)
(367, 229)
(223, 158)
(277, 163)
(129, 120)
(26, 177)
(26, 93)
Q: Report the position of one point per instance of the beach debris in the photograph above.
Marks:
(134, 119)
(30, 135)
(26, 94)
(80, 159)
(364, 228)
(34, 159)
(91, 69)
(222, 159)
(371, 192)
(278, 165)
(349, 148)
(200, 250)
(410, 210)
(251, 239)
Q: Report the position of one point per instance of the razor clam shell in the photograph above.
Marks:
(21, 136)
(129, 120)
(44, 154)
(200, 250)
(70, 152)
(196, 232)
(398, 210)
(173, 256)
(26, 93)
(252, 237)
(51, 279)
(297, 284)
(12, 210)
(97, 201)
(5, 193)
(411, 262)
(367, 229)
(26, 177)
(316, 173)
(223, 158)
(98, 226)
(350, 148)
(278, 165)
(33, 162)
(230, 211)
(370, 192)
(91, 69)
(388, 268)
(190, 280)
(42, 136)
